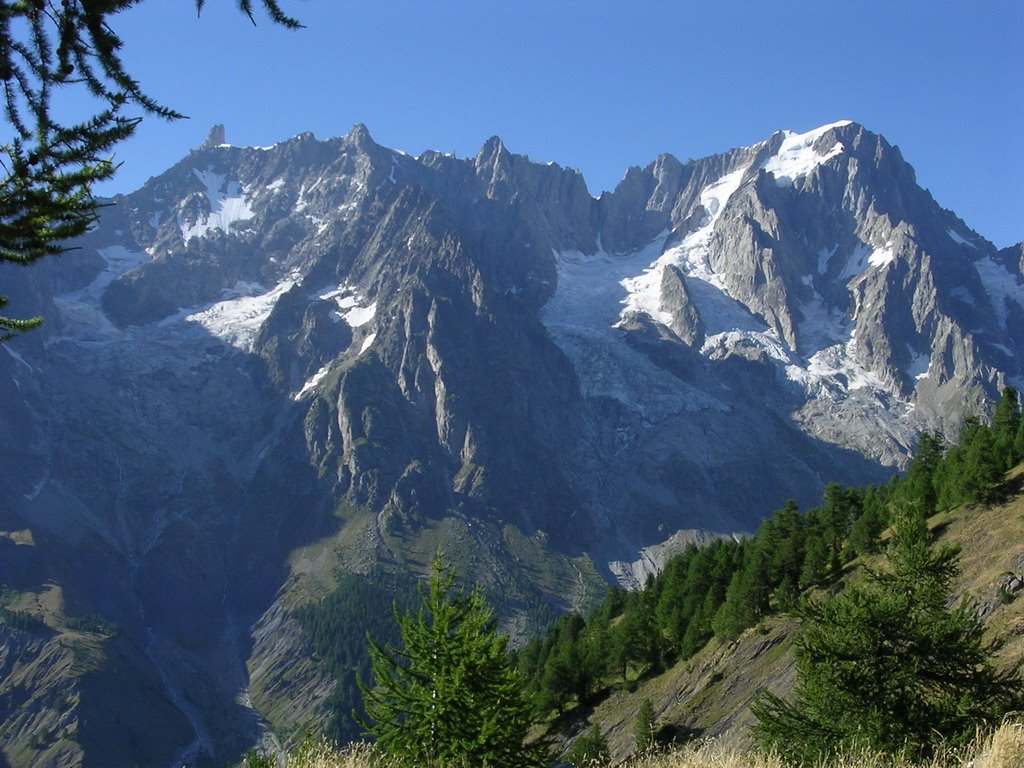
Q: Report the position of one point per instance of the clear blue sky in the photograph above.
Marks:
(598, 85)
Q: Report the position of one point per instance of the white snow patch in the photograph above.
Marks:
(643, 291)
(302, 202)
(237, 319)
(1000, 285)
(367, 342)
(275, 185)
(1004, 349)
(358, 316)
(881, 257)
(581, 316)
(959, 240)
(797, 157)
(836, 365)
(227, 206)
(315, 379)
(864, 256)
(824, 257)
(920, 364)
(80, 309)
(119, 260)
(766, 340)
(350, 305)
(857, 261)
(821, 326)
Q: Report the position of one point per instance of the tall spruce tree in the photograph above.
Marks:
(643, 728)
(450, 696)
(886, 664)
(1006, 423)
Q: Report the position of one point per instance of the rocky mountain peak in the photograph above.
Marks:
(214, 138)
(359, 137)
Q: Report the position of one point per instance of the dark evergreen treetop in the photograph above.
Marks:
(449, 696)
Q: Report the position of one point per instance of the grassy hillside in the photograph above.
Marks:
(709, 694)
(52, 655)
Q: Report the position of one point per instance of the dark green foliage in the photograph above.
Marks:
(726, 587)
(50, 166)
(750, 587)
(93, 623)
(637, 641)
(863, 538)
(643, 727)
(449, 694)
(590, 749)
(22, 620)
(338, 626)
(886, 665)
(736, 613)
(1006, 426)
(923, 476)
(973, 468)
(820, 559)
(1018, 442)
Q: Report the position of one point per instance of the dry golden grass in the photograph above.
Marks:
(1002, 749)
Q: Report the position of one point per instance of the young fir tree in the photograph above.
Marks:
(1005, 426)
(643, 728)
(451, 695)
(887, 665)
(590, 750)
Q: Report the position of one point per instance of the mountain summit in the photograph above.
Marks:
(271, 366)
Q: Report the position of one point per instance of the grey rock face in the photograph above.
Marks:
(676, 300)
(267, 364)
(214, 138)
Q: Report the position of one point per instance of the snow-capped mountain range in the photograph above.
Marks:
(271, 363)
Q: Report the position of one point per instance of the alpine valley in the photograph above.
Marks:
(271, 374)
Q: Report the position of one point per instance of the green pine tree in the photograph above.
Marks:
(863, 538)
(979, 468)
(590, 750)
(816, 561)
(643, 727)
(1018, 443)
(887, 665)
(1005, 426)
(920, 483)
(450, 695)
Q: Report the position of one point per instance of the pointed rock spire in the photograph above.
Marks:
(214, 138)
(359, 137)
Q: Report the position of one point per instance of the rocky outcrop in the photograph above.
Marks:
(676, 300)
